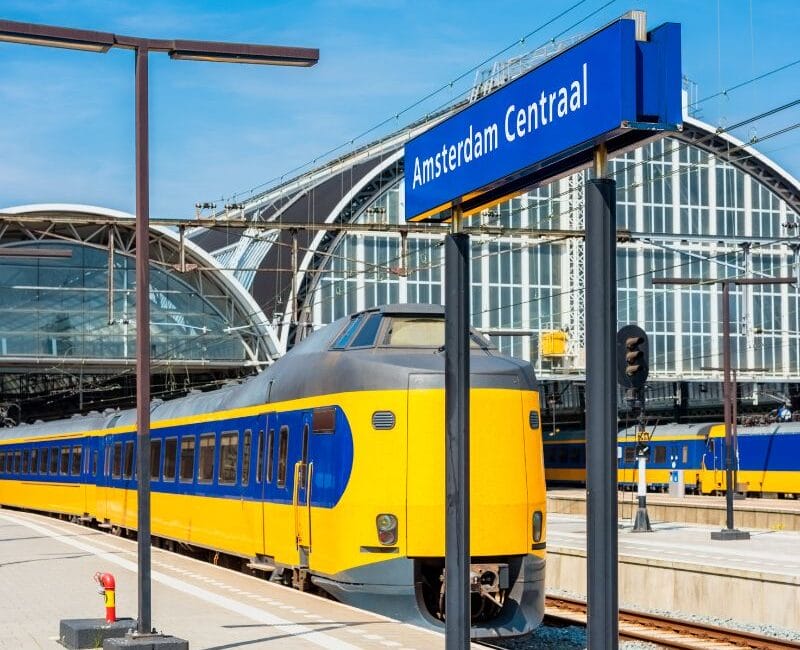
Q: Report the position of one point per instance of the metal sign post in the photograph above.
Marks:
(456, 382)
(602, 628)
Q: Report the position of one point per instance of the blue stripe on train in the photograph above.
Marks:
(330, 453)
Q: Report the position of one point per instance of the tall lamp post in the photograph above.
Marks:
(728, 392)
(91, 41)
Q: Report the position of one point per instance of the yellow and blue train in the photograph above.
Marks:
(325, 469)
(767, 458)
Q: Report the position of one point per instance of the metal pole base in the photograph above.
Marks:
(642, 522)
(727, 534)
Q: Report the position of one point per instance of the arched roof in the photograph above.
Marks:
(340, 192)
(83, 221)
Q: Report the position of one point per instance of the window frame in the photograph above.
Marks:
(75, 460)
(205, 473)
(187, 476)
(270, 455)
(155, 443)
(128, 460)
(171, 441)
(246, 444)
(283, 455)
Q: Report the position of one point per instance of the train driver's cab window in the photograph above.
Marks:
(630, 454)
(661, 454)
(422, 331)
(228, 457)
(116, 462)
(205, 471)
(368, 332)
(187, 459)
(347, 334)
(283, 449)
(170, 455)
(64, 469)
(128, 473)
(75, 468)
(155, 459)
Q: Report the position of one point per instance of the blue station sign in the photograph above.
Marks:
(608, 88)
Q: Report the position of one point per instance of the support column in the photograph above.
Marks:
(601, 414)
(457, 556)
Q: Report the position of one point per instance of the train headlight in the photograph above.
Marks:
(387, 529)
(537, 526)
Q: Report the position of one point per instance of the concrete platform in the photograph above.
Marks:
(765, 514)
(679, 568)
(47, 577)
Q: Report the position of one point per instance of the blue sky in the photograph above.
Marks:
(66, 117)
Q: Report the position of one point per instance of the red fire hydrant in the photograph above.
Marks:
(107, 589)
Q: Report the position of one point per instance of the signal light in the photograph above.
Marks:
(632, 353)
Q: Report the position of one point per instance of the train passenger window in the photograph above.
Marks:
(64, 468)
(128, 465)
(116, 465)
(347, 334)
(170, 454)
(366, 335)
(2, 462)
(685, 454)
(270, 454)
(17, 461)
(24, 461)
(43, 461)
(260, 456)
(94, 463)
(75, 469)
(246, 445)
(86, 460)
(155, 458)
(661, 454)
(34, 466)
(228, 457)
(205, 472)
(283, 449)
(54, 460)
(630, 454)
(323, 420)
(187, 459)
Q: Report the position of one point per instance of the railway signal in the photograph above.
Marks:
(632, 356)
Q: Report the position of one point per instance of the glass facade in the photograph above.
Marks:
(61, 302)
(691, 215)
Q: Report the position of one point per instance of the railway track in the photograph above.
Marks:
(667, 632)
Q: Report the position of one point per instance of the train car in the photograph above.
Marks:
(766, 458)
(326, 469)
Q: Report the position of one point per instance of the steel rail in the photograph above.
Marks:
(667, 632)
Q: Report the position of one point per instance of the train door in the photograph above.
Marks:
(300, 496)
(103, 478)
(262, 455)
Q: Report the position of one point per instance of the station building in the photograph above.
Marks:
(68, 322)
(227, 301)
(697, 204)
